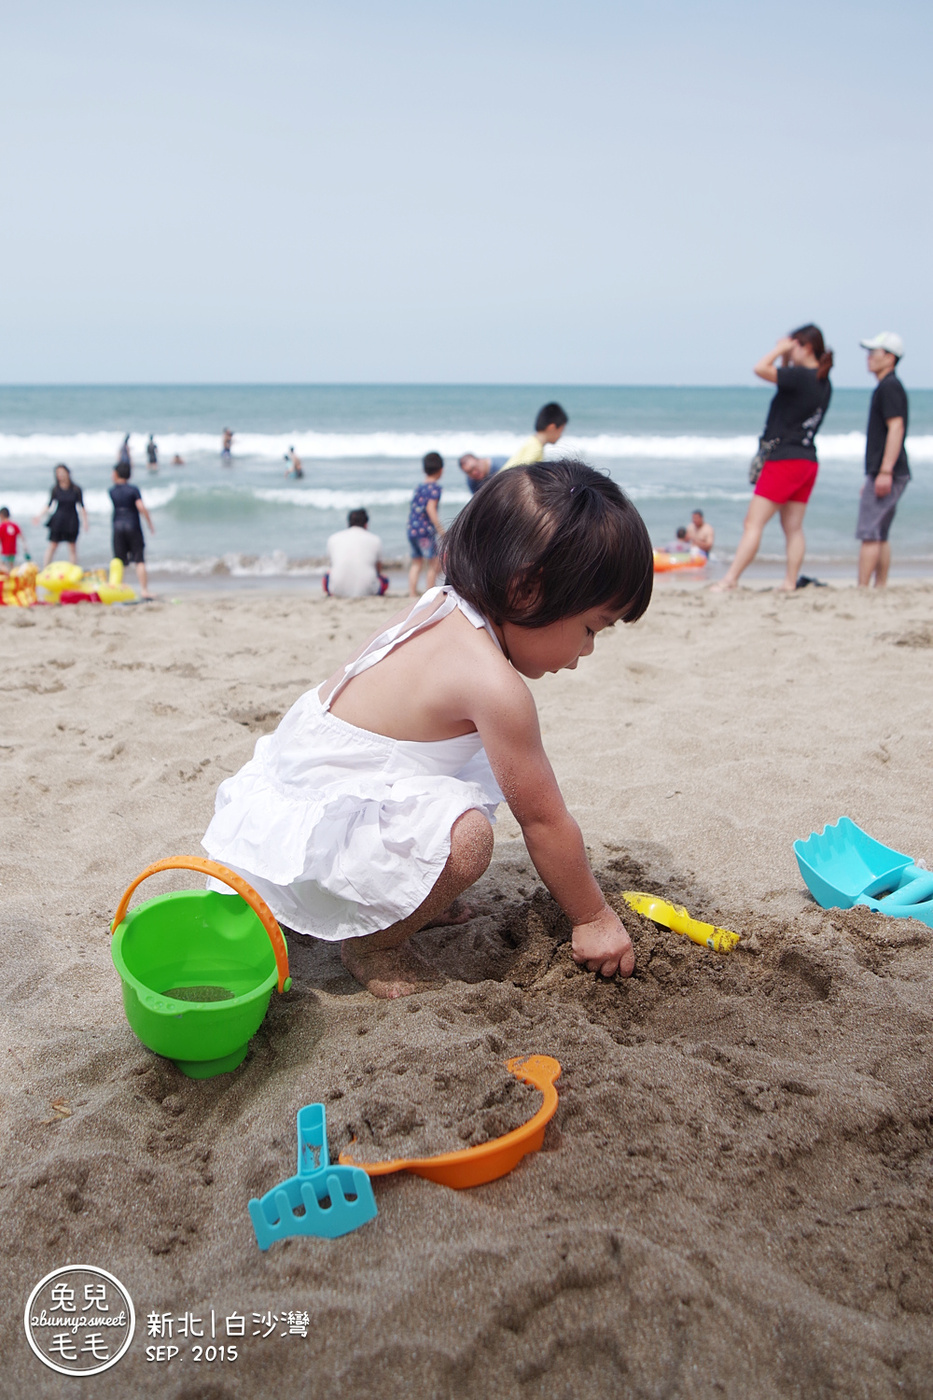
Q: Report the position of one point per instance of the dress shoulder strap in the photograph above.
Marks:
(424, 614)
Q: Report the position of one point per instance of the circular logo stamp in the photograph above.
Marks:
(79, 1320)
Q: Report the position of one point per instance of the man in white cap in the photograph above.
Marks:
(886, 469)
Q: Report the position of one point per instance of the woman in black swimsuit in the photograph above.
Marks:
(65, 500)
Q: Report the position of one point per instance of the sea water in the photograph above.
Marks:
(671, 449)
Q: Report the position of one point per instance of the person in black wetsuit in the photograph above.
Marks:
(789, 471)
(128, 543)
(65, 500)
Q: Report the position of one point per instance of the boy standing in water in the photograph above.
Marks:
(549, 425)
(128, 543)
(424, 523)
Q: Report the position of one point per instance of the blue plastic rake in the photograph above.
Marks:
(333, 1200)
(844, 866)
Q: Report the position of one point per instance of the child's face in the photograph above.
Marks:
(535, 651)
(552, 432)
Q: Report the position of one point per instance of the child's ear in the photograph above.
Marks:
(525, 592)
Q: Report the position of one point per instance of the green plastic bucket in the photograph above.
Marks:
(198, 968)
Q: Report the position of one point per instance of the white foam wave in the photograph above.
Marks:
(23, 505)
(274, 565)
(313, 446)
(345, 500)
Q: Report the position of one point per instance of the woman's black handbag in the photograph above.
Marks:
(765, 447)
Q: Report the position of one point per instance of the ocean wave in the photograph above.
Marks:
(275, 565)
(314, 499)
(23, 505)
(101, 447)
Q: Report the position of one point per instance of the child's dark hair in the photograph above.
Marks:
(551, 416)
(123, 470)
(359, 518)
(4, 513)
(548, 541)
(433, 463)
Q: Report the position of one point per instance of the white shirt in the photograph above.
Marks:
(354, 554)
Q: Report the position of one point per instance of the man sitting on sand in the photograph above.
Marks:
(480, 469)
(355, 569)
(699, 532)
(549, 425)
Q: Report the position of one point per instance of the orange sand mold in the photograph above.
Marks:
(473, 1166)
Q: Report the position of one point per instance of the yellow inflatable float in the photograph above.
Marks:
(19, 586)
(62, 582)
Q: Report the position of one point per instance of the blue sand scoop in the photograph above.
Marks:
(333, 1200)
(845, 866)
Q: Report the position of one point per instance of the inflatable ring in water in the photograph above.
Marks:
(664, 562)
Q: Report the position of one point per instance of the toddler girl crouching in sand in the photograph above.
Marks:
(369, 810)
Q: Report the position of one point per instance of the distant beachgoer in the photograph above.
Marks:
(549, 425)
(295, 468)
(424, 523)
(65, 500)
(355, 569)
(178, 461)
(480, 469)
(123, 456)
(886, 469)
(699, 532)
(152, 454)
(128, 543)
(9, 534)
(226, 446)
(679, 544)
(790, 463)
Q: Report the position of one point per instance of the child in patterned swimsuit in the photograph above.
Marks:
(370, 809)
(424, 523)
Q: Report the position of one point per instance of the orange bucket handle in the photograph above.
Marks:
(236, 882)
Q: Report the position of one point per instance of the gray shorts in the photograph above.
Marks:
(875, 513)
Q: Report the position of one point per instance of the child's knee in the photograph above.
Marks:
(471, 842)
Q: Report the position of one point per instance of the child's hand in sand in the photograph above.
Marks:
(603, 946)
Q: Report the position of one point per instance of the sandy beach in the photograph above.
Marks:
(734, 1196)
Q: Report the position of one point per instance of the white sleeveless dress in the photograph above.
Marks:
(342, 831)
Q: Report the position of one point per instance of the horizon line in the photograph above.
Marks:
(388, 384)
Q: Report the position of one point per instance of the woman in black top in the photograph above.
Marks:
(65, 500)
(790, 466)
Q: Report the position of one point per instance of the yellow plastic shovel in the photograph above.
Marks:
(675, 917)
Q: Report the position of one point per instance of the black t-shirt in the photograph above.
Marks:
(796, 413)
(124, 496)
(66, 500)
(888, 401)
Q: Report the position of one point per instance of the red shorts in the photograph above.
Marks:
(790, 480)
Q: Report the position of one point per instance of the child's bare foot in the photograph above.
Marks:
(723, 586)
(456, 913)
(386, 972)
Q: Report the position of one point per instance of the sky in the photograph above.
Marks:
(499, 191)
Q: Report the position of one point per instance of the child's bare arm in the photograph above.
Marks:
(433, 515)
(509, 727)
(145, 515)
